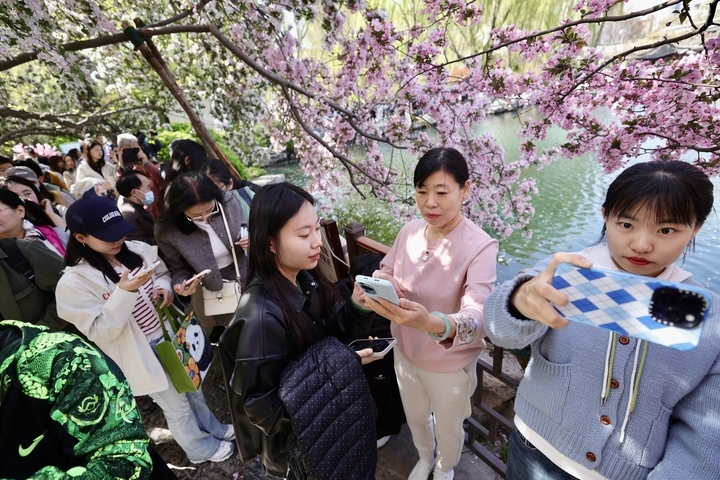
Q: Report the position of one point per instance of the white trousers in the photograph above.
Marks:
(436, 405)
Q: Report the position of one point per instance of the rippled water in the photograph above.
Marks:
(567, 213)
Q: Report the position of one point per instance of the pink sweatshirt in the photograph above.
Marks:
(457, 277)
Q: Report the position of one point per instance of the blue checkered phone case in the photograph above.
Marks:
(658, 311)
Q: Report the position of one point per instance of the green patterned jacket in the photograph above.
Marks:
(66, 410)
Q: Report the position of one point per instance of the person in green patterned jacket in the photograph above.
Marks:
(66, 410)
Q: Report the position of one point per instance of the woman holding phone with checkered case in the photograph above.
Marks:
(598, 405)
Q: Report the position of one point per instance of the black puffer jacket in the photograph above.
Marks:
(256, 348)
(332, 412)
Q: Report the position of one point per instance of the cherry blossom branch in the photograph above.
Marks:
(582, 21)
(347, 163)
(712, 7)
(182, 15)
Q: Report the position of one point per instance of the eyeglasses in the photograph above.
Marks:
(204, 216)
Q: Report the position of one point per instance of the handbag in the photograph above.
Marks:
(226, 300)
(186, 355)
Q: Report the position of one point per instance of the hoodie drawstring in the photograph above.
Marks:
(638, 366)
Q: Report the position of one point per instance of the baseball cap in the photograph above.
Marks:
(22, 172)
(97, 216)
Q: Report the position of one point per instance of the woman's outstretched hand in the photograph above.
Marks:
(532, 298)
(410, 314)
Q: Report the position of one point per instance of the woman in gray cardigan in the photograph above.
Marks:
(192, 236)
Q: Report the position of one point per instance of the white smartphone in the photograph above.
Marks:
(378, 288)
(199, 275)
(143, 272)
(380, 346)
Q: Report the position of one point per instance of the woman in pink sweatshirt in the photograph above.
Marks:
(443, 267)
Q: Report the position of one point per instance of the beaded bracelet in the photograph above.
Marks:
(448, 328)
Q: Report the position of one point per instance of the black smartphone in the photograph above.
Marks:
(130, 155)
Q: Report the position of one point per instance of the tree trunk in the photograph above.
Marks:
(153, 57)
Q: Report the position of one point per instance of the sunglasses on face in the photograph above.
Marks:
(204, 216)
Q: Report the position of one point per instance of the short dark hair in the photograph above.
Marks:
(673, 190)
(129, 181)
(441, 159)
(4, 160)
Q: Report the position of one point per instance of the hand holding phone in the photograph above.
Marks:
(380, 346)
(378, 288)
(199, 275)
(658, 311)
(145, 271)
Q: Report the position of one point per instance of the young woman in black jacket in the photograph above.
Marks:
(286, 307)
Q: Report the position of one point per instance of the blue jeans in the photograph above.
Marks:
(190, 421)
(525, 462)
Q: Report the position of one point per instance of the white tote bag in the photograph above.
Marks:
(226, 300)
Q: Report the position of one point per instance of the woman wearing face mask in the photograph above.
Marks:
(137, 195)
(192, 235)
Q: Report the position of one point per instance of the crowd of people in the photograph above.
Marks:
(96, 242)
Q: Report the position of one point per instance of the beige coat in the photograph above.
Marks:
(103, 312)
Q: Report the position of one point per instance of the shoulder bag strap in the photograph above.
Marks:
(232, 244)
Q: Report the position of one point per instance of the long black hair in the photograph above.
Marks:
(186, 191)
(179, 150)
(95, 165)
(75, 252)
(272, 208)
(33, 212)
(673, 190)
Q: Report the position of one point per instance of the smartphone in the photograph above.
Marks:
(380, 346)
(658, 311)
(143, 272)
(378, 288)
(130, 155)
(199, 275)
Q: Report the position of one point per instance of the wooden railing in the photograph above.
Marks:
(358, 243)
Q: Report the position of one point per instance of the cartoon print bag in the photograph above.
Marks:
(185, 353)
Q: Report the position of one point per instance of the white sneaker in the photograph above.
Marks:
(229, 434)
(382, 441)
(438, 475)
(421, 471)
(224, 451)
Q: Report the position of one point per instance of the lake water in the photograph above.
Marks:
(567, 212)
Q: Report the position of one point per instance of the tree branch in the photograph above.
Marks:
(32, 131)
(347, 163)
(592, 20)
(62, 118)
